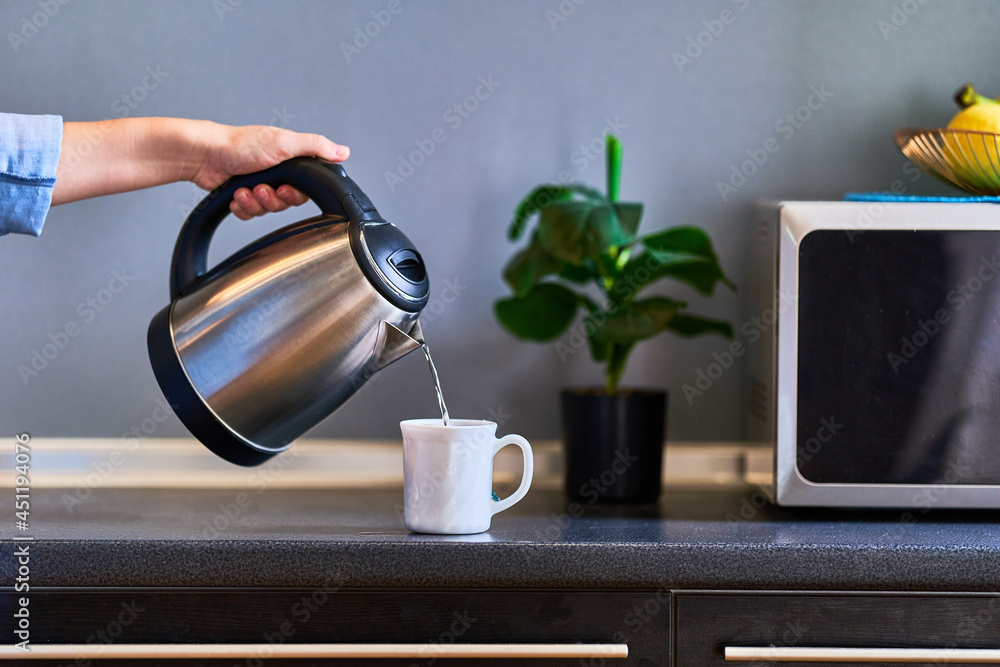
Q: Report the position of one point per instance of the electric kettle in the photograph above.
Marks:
(256, 351)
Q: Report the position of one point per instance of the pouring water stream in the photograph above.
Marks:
(437, 383)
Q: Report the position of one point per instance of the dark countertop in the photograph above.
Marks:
(692, 540)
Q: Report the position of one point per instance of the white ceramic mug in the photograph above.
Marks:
(448, 475)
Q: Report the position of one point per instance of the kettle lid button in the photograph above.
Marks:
(408, 263)
(393, 266)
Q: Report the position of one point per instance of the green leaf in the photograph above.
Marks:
(682, 253)
(687, 240)
(684, 245)
(701, 275)
(535, 200)
(629, 324)
(529, 266)
(649, 267)
(640, 320)
(629, 214)
(576, 231)
(563, 231)
(541, 197)
(692, 325)
(580, 275)
(542, 314)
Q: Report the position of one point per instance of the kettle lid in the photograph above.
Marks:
(391, 263)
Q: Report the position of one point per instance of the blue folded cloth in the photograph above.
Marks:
(890, 197)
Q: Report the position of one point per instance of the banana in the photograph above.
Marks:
(976, 157)
(980, 114)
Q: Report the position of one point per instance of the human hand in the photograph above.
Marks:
(123, 154)
(223, 151)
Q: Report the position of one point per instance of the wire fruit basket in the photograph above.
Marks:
(966, 158)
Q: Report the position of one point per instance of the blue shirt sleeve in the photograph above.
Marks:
(29, 153)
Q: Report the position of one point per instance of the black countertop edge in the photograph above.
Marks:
(620, 566)
(693, 539)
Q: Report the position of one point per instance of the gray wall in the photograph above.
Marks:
(282, 63)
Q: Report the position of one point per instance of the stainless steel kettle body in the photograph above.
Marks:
(260, 349)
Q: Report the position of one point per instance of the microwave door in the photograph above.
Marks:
(957, 420)
(898, 358)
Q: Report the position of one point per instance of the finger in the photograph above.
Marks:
(291, 196)
(248, 203)
(237, 210)
(318, 145)
(265, 196)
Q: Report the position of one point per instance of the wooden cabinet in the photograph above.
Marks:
(659, 628)
(576, 621)
(880, 628)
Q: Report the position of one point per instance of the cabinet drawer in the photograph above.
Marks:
(790, 629)
(425, 619)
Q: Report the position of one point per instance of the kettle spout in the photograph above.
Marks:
(393, 344)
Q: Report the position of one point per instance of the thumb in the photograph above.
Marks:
(317, 145)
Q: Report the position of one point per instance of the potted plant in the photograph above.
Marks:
(585, 254)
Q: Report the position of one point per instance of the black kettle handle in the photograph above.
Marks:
(326, 183)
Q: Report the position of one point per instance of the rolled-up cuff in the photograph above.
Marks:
(23, 207)
(29, 154)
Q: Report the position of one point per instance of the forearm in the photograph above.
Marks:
(111, 156)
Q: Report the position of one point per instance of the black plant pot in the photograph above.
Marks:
(614, 445)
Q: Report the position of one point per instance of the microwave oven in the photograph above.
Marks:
(873, 353)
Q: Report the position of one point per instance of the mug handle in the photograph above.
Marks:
(529, 468)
